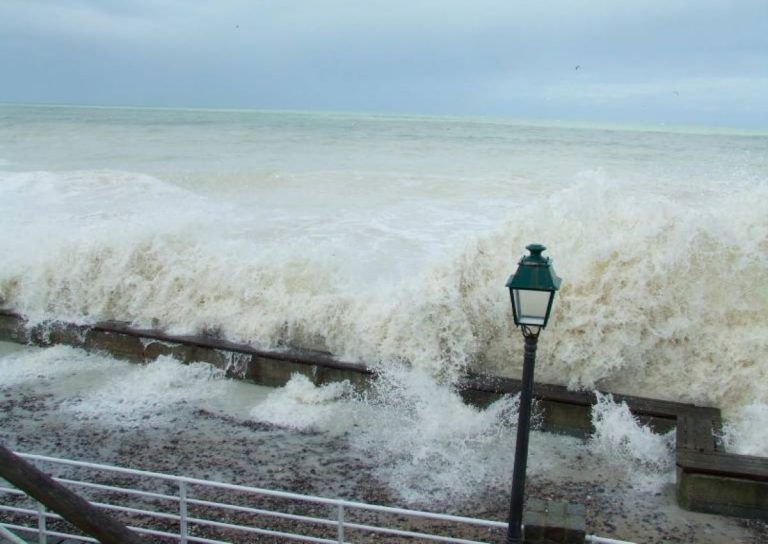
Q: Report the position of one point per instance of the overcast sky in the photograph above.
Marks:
(647, 61)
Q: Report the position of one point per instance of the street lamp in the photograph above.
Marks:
(532, 289)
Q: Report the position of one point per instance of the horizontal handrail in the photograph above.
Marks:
(141, 511)
(270, 492)
(11, 490)
(125, 490)
(256, 530)
(603, 540)
(29, 511)
(261, 512)
(400, 532)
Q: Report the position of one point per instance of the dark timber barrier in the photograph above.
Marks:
(708, 479)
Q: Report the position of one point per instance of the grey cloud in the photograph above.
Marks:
(489, 56)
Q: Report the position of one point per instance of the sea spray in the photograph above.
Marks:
(428, 444)
(645, 293)
(127, 399)
(20, 367)
(119, 393)
(622, 442)
(425, 442)
(746, 431)
(641, 308)
(303, 406)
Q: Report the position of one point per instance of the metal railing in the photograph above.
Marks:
(171, 508)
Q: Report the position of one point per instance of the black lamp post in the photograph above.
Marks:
(532, 289)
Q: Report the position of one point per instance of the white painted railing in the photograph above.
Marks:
(191, 510)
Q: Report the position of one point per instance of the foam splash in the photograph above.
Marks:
(93, 385)
(302, 405)
(746, 432)
(645, 292)
(430, 446)
(25, 368)
(426, 444)
(646, 263)
(646, 458)
(141, 394)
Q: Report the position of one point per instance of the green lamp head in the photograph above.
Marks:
(532, 288)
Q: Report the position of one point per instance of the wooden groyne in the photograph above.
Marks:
(708, 478)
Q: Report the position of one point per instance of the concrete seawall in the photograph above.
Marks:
(708, 478)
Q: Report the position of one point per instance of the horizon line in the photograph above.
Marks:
(572, 123)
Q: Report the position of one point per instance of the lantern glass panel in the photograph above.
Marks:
(531, 306)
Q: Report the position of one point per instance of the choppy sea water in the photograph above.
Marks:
(389, 239)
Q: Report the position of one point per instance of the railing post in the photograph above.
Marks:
(42, 532)
(340, 520)
(183, 530)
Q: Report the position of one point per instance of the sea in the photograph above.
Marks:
(388, 240)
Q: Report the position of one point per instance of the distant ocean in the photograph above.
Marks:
(389, 238)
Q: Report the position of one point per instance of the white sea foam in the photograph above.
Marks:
(301, 405)
(425, 442)
(24, 368)
(643, 302)
(646, 458)
(428, 444)
(136, 395)
(647, 292)
(93, 385)
(746, 432)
